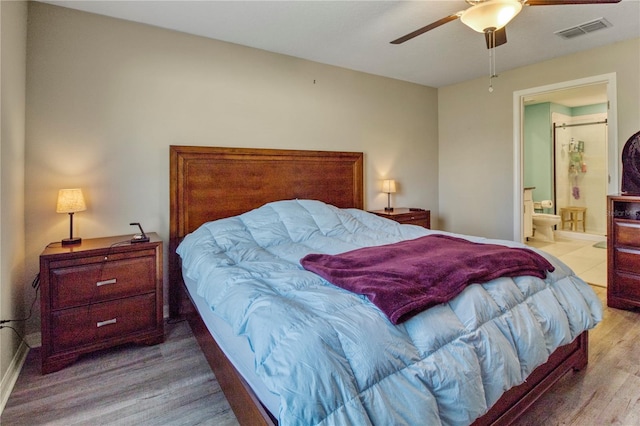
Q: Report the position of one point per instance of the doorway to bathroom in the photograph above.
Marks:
(565, 158)
(572, 115)
(568, 105)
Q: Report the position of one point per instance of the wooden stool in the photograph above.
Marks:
(574, 215)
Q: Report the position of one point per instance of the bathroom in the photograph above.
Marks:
(565, 168)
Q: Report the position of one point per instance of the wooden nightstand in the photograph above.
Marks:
(623, 252)
(98, 294)
(407, 216)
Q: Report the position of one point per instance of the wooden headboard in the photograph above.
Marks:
(209, 183)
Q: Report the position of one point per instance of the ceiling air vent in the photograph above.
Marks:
(587, 27)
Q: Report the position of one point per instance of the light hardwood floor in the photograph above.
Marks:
(171, 384)
(607, 392)
(166, 384)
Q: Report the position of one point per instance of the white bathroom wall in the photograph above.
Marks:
(562, 156)
(592, 184)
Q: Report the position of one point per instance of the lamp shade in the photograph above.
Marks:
(389, 186)
(491, 14)
(70, 201)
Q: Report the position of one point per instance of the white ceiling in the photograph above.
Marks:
(356, 34)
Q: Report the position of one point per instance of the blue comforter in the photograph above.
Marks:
(335, 359)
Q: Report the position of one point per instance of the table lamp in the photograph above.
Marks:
(70, 201)
(388, 186)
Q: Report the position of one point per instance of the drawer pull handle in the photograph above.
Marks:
(105, 282)
(107, 322)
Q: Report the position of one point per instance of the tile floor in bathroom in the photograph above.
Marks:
(588, 262)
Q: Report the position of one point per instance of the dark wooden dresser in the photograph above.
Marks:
(623, 250)
(407, 216)
(98, 294)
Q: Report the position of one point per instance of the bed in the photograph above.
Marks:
(208, 184)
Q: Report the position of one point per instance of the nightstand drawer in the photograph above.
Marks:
(627, 285)
(627, 233)
(95, 282)
(407, 216)
(627, 260)
(86, 325)
(417, 218)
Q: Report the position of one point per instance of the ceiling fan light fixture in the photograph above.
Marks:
(490, 14)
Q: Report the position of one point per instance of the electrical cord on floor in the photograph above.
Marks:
(35, 284)
(17, 334)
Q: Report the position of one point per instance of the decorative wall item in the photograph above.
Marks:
(576, 166)
(631, 166)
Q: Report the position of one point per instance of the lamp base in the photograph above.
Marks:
(71, 241)
(388, 209)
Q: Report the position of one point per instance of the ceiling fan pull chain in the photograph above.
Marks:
(490, 71)
(492, 60)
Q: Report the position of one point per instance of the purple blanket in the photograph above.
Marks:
(405, 278)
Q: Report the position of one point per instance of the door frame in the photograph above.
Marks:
(518, 139)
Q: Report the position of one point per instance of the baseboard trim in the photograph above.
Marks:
(34, 340)
(11, 376)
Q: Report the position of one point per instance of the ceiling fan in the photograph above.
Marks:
(491, 16)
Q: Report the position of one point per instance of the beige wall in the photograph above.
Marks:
(106, 98)
(13, 48)
(476, 133)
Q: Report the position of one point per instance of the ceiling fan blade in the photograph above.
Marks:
(425, 29)
(561, 2)
(500, 37)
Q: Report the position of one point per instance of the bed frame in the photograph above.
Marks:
(208, 183)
